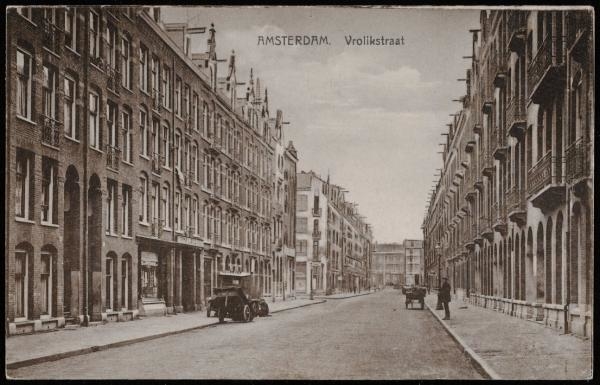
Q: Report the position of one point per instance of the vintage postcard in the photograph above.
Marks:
(313, 193)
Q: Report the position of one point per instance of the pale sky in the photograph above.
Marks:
(370, 116)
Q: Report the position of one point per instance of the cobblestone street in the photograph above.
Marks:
(366, 337)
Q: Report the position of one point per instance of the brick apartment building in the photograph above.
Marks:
(135, 172)
(510, 221)
(333, 241)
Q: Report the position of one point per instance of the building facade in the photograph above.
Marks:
(333, 242)
(136, 172)
(389, 265)
(414, 260)
(511, 219)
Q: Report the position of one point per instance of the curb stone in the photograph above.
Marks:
(97, 348)
(478, 362)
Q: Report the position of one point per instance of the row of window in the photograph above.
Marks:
(25, 186)
(23, 282)
(186, 105)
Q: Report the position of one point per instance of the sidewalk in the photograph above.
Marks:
(343, 295)
(512, 348)
(42, 347)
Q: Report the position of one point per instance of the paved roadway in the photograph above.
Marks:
(366, 337)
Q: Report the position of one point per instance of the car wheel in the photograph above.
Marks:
(208, 310)
(221, 315)
(246, 314)
(265, 309)
(255, 309)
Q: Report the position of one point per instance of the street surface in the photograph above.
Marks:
(366, 337)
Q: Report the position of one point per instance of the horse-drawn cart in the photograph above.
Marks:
(414, 293)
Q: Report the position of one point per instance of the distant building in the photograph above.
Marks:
(333, 242)
(389, 265)
(414, 268)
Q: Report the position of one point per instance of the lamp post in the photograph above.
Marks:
(438, 249)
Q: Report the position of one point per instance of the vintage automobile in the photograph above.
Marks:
(414, 293)
(248, 292)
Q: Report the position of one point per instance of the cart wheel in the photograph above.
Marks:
(221, 315)
(246, 314)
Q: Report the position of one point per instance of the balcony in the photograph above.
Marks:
(487, 162)
(52, 36)
(157, 163)
(517, 25)
(476, 235)
(97, 61)
(316, 234)
(545, 184)
(578, 161)
(579, 24)
(114, 78)
(215, 146)
(470, 195)
(477, 128)
(516, 117)
(316, 212)
(51, 131)
(113, 156)
(516, 206)
(487, 97)
(190, 231)
(469, 146)
(188, 178)
(187, 124)
(499, 224)
(546, 71)
(486, 228)
(500, 145)
(156, 98)
(498, 68)
(156, 228)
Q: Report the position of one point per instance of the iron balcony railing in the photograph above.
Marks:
(113, 156)
(316, 212)
(156, 227)
(516, 115)
(578, 23)
(541, 174)
(157, 163)
(52, 36)
(515, 199)
(517, 25)
(114, 78)
(156, 99)
(51, 131)
(543, 60)
(578, 160)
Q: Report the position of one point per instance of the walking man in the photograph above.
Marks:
(445, 298)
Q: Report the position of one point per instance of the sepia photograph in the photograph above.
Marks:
(299, 192)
